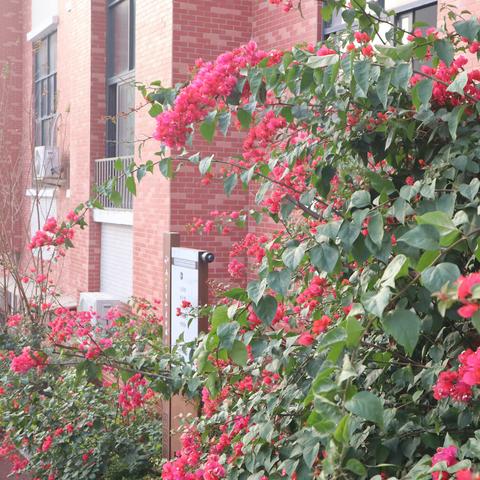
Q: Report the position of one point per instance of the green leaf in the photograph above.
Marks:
(324, 257)
(256, 289)
(404, 327)
(207, 129)
(279, 281)
(375, 303)
(224, 120)
(324, 61)
(239, 353)
(360, 199)
(397, 267)
(204, 165)
(348, 233)
(354, 332)
(453, 119)
(434, 278)
(470, 191)
(445, 51)
(425, 237)
(130, 184)
(422, 92)
(166, 167)
(219, 316)
(244, 117)
(266, 309)
(292, 256)
(155, 110)
(458, 85)
(229, 183)
(401, 75)
(366, 405)
(227, 332)
(361, 73)
(383, 83)
(375, 229)
(468, 28)
(356, 466)
(115, 198)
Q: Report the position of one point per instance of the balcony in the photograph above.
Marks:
(104, 171)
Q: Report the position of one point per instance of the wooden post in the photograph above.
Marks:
(170, 240)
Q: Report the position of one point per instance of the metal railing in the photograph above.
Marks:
(105, 170)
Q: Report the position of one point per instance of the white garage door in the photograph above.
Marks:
(116, 260)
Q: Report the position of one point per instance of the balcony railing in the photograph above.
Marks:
(105, 170)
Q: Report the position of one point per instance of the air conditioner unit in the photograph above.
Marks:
(99, 303)
(47, 163)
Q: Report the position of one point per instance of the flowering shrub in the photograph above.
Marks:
(76, 406)
(348, 345)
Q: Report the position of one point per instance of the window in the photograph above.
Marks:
(411, 13)
(408, 12)
(334, 25)
(45, 79)
(120, 78)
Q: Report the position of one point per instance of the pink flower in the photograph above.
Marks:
(446, 454)
(305, 339)
(47, 443)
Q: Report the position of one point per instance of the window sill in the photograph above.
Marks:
(111, 215)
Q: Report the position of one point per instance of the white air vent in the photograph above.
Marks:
(99, 303)
(47, 163)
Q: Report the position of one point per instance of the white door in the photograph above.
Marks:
(116, 261)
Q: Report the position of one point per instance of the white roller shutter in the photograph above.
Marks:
(116, 261)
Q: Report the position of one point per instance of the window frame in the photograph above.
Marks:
(51, 103)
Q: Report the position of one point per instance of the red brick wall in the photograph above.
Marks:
(199, 32)
(272, 28)
(11, 97)
(152, 205)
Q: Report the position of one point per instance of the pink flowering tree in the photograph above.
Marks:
(348, 345)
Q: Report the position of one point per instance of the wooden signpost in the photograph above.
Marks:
(185, 278)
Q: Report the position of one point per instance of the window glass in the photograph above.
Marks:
(118, 37)
(126, 120)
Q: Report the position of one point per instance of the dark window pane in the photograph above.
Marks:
(52, 53)
(51, 94)
(44, 98)
(426, 15)
(126, 120)
(118, 38)
(111, 125)
(41, 59)
(132, 34)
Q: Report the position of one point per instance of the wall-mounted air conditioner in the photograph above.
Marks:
(99, 303)
(47, 163)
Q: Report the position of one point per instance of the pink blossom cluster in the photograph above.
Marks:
(441, 97)
(287, 5)
(258, 142)
(27, 360)
(457, 384)
(134, 394)
(212, 82)
(449, 456)
(465, 290)
(189, 465)
(53, 234)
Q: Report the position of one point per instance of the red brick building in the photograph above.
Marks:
(67, 65)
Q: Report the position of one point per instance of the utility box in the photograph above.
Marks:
(185, 277)
(189, 275)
